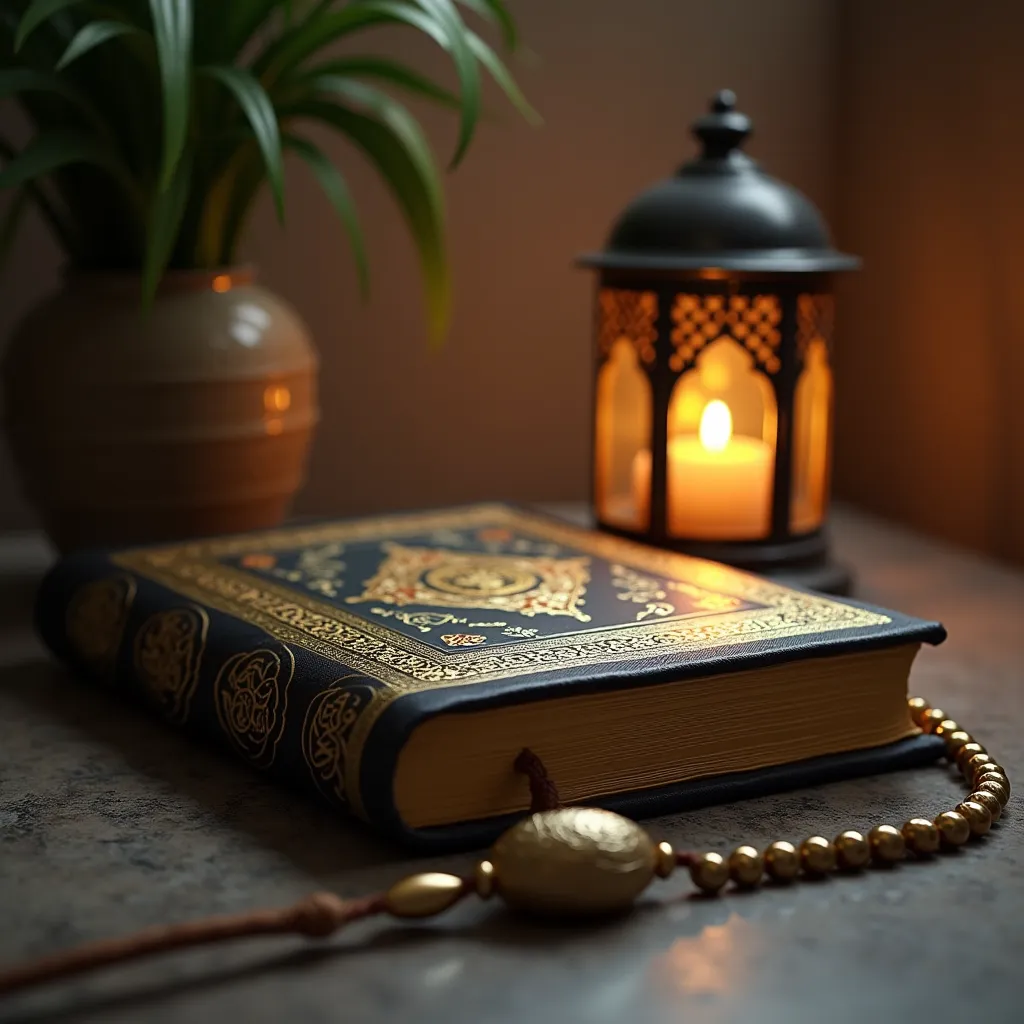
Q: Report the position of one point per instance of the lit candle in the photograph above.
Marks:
(719, 485)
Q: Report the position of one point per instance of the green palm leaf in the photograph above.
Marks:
(496, 12)
(36, 13)
(393, 141)
(337, 192)
(384, 69)
(53, 150)
(294, 45)
(92, 35)
(18, 80)
(224, 204)
(454, 35)
(172, 31)
(501, 76)
(437, 18)
(262, 117)
(223, 29)
(154, 155)
(248, 180)
(55, 218)
(164, 222)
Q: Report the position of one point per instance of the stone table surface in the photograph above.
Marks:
(110, 822)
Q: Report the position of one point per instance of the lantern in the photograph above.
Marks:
(713, 388)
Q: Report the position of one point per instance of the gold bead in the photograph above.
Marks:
(709, 872)
(921, 836)
(852, 850)
(746, 866)
(993, 776)
(946, 728)
(573, 861)
(781, 861)
(484, 876)
(991, 768)
(424, 895)
(989, 800)
(974, 763)
(967, 751)
(887, 844)
(664, 860)
(955, 740)
(953, 827)
(977, 817)
(817, 856)
(997, 789)
(997, 777)
(919, 707)
(931, 718)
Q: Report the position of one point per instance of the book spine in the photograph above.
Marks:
(286, 711)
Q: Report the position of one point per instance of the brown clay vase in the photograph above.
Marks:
(193, 417)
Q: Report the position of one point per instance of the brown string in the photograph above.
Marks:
(543, 791)
(544, 795)
(317, 916)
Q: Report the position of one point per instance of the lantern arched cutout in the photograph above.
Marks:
(812, 414)
(721, 441)
(714, 313)
(624, 404)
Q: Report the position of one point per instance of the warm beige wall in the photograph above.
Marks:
(931, 359)
(502, 410)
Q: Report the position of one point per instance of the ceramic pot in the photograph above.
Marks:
(192, 418)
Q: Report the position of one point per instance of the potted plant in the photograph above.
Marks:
(162, 392)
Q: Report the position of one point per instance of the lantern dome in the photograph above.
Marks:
(721, 211)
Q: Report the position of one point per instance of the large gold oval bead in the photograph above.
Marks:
(574, 861)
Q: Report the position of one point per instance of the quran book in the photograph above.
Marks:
(397, 665)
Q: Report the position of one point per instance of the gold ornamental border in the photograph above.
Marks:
(406, 664)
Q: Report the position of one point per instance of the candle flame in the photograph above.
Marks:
(715, 425)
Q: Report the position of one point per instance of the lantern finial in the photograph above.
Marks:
(725, 99)
(723, 129)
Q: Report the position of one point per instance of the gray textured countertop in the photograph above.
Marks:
(110, 822)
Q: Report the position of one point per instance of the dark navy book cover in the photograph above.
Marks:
(313, 651)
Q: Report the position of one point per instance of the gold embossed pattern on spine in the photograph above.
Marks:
(251, 697)
(96, 617)
(326, 739)
(167, 657)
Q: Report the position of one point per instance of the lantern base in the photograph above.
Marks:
(801, 562)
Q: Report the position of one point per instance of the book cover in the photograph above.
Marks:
(313, 651)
